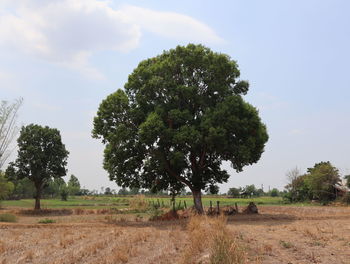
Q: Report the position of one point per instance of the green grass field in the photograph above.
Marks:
(122, 202)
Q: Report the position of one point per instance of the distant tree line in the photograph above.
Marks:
(24, 188)
(250, 191)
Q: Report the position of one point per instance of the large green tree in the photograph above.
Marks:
(180, 115)
(41, 157)
(321, 180)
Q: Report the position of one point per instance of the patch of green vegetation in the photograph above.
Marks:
(8, 218)
(120, 202)
(46, 221)
(286, 244)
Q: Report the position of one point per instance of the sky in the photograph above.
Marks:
(65, 56)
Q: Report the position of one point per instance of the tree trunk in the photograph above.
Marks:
(197, 200)
(37, 197)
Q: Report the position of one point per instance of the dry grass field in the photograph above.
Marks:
(277, 235)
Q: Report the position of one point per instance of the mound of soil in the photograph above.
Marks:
(251, 209)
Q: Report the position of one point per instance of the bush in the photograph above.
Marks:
(8, 218)
(64, 193)
(46, 221)
(154, 213)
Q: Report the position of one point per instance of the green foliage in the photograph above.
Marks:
(321, 180)
(54, 186)
(286, 244)
(23, 188)
(318, 184)
(46, 221)
(41, 156)
(250, 190)
(154, 212)
(64, 192)
(6, 187)
(8, 218)
(234, 192)
(179, 116)
(73, 185)
(274, 192)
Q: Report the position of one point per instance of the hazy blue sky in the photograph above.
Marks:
(63, 57)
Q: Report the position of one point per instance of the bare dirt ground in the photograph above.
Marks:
(277, 235)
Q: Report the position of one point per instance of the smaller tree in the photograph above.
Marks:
(41, 157)
(23, 188)
(6, 187)
(321, 180)
(250, 190)
(260, 192)
(234, 192)
(108, 191)
(64, 191)
(274, 192)
(73, 185)
(123, 191)
(297, 188)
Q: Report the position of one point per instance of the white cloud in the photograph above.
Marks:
(171, 25)
(68, 32)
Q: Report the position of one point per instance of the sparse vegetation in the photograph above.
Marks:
(46, 221)
(8, 218)
(286, 244)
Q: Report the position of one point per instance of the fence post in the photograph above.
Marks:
(185, 204)
(218, 207)
(179, 205)
(236, 207)
(174, 206)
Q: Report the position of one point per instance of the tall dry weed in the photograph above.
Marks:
(138, 203)
(210, 241)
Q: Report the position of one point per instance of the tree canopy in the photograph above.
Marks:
(180, 115)
(318, 183)
(41, 157)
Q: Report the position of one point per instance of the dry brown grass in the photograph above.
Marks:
(139, 203)
(316, 236)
